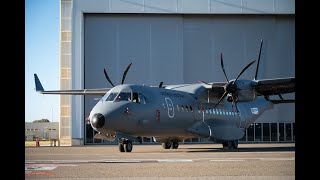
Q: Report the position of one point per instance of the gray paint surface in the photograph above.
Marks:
(180, 49)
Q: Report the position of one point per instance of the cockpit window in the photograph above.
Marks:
(111, 96)
(139, 98)
(123, 96)
(143, 99)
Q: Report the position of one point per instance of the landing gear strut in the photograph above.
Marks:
(125, 145)
(230, 144)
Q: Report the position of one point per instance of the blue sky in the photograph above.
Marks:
(42, 57)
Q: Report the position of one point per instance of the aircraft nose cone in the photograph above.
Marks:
(98, 120)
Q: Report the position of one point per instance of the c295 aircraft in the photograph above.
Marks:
(218, 111)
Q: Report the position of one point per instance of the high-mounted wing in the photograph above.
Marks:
(276, 86)
(39, 88)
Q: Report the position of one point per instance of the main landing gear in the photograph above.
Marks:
(169, 144)
(125, 145)
(230, 144)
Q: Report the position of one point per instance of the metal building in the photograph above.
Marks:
(174, 41)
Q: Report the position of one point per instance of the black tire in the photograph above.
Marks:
(227, 145)
(175, 145)
(121, 148)
(235, 144)
(128, 146)
(166, 145)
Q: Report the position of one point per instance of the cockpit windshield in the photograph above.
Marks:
(111, 96)
(116, 96)
(123, 96)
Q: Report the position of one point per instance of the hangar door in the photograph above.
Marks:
(152, 43)
(179, 49)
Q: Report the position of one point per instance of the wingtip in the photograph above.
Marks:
(39, 87)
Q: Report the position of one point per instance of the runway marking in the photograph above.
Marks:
(123, 161)
(38, 172)
(174, 160)
(39, 168)
(278, 159)
(227, 160)
(150, 160)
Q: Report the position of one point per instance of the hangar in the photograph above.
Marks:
(174, 41)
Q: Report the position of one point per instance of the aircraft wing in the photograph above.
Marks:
(263, 87)
(40, 89)
(275, 86)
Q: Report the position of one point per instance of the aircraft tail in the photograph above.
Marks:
(39, 87)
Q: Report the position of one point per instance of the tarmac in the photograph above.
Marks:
(189, 161)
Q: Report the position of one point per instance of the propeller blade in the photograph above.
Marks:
(125, 73)
(244, 70)
(224, 95)
(280, 97)
(204, 82)
(255, 77)
(106, 75)
(224, 72)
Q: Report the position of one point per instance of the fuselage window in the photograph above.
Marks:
(220, 111)
(213, 111)
(182, 108)
(187, 108)
(199, 109)
(191, 109)
(206, 110)
(178, 107)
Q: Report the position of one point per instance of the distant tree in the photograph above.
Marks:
(41, 120)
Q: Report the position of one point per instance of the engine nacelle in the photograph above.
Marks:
(245, 91)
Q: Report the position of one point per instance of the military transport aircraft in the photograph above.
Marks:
(218, 111)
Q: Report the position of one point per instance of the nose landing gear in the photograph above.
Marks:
(125, 145)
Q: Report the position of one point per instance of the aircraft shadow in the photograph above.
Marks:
(253, 149)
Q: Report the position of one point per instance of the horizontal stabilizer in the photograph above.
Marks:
(39, 87)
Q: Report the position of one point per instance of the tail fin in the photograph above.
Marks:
(39, 87)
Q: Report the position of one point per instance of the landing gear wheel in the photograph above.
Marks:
(128, 146)
(166, 145)
(121, 148)
(175, 145)
(235, 144)
(227, 145)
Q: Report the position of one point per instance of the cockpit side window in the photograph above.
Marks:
(139, 98)
(143, 99)
(123, 96)
(135, 98)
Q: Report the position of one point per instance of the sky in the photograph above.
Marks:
(42, 25)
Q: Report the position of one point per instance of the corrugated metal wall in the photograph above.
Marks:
(186, 48)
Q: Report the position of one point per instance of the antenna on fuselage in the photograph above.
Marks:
(160, 85)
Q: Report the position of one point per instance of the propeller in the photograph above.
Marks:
(231, 87)
(123, 77)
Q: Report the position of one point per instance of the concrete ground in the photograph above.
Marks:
(189, 161)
